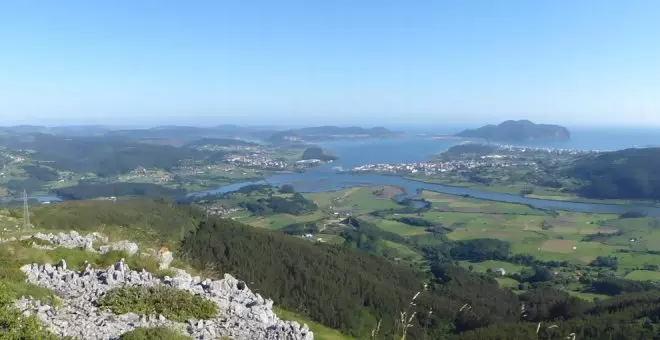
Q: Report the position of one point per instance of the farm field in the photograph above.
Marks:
(560, 236)
(643, 275)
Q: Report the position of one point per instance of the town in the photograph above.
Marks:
(473, 156)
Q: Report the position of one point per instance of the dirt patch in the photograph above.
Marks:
(388, 192)
(559, 246)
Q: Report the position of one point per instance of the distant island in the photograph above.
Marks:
(326, 133)
(518, 131)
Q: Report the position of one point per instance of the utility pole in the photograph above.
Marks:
(26, 210)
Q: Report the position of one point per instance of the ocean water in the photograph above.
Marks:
(609, 139)
(415, 148)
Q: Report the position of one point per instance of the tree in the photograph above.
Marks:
(287, 189)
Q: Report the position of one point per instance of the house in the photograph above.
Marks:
(500, 271)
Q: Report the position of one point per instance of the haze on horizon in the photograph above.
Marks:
(338, 62)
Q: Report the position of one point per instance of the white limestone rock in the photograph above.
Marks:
(242, 315)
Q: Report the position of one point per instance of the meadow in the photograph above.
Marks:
(547, 235)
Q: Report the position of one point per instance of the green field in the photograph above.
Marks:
(587, 296)
(404, 252)
(507, 282)
(538, 191)
(556, 236)
(354, 200)
(643, 275)
(278, 221)
(395, 226)
(482, 267)
(331, 239)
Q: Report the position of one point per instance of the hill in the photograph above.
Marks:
(89, 190)
(317, 153)
(103, 156)
(346, 286)
(518, 131)
(623, 174)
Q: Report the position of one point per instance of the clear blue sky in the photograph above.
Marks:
(334, 61)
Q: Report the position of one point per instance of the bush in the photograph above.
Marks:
(172, 303)
(13, 325)
(156, 333)
(606, 261)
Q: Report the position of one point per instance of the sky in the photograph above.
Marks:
(369, 62)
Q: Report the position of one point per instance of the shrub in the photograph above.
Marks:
(13, 325)
(156, 333)
(172, 303)
(33, 240)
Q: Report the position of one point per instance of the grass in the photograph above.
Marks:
(643, 275)
(13, 324)
(172, 303)
(355, 200)
(507, 282)
(320, 332)
(404, 252)
(146, 221)
(160, 333)
(548, 236)
(395, 226)
(467, 204)
(331, 239)
(13, 255)
(482, 267)
(588, 296)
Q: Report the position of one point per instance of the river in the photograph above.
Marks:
(416, 149)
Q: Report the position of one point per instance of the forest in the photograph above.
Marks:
(103, 156)
(349, 288)
(345, 288)
(624, 174)
(296, 205)
(87, 191)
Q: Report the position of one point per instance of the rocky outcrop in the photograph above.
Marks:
(70, 240)
(73, 239)
(129, 247)
(242, 314)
